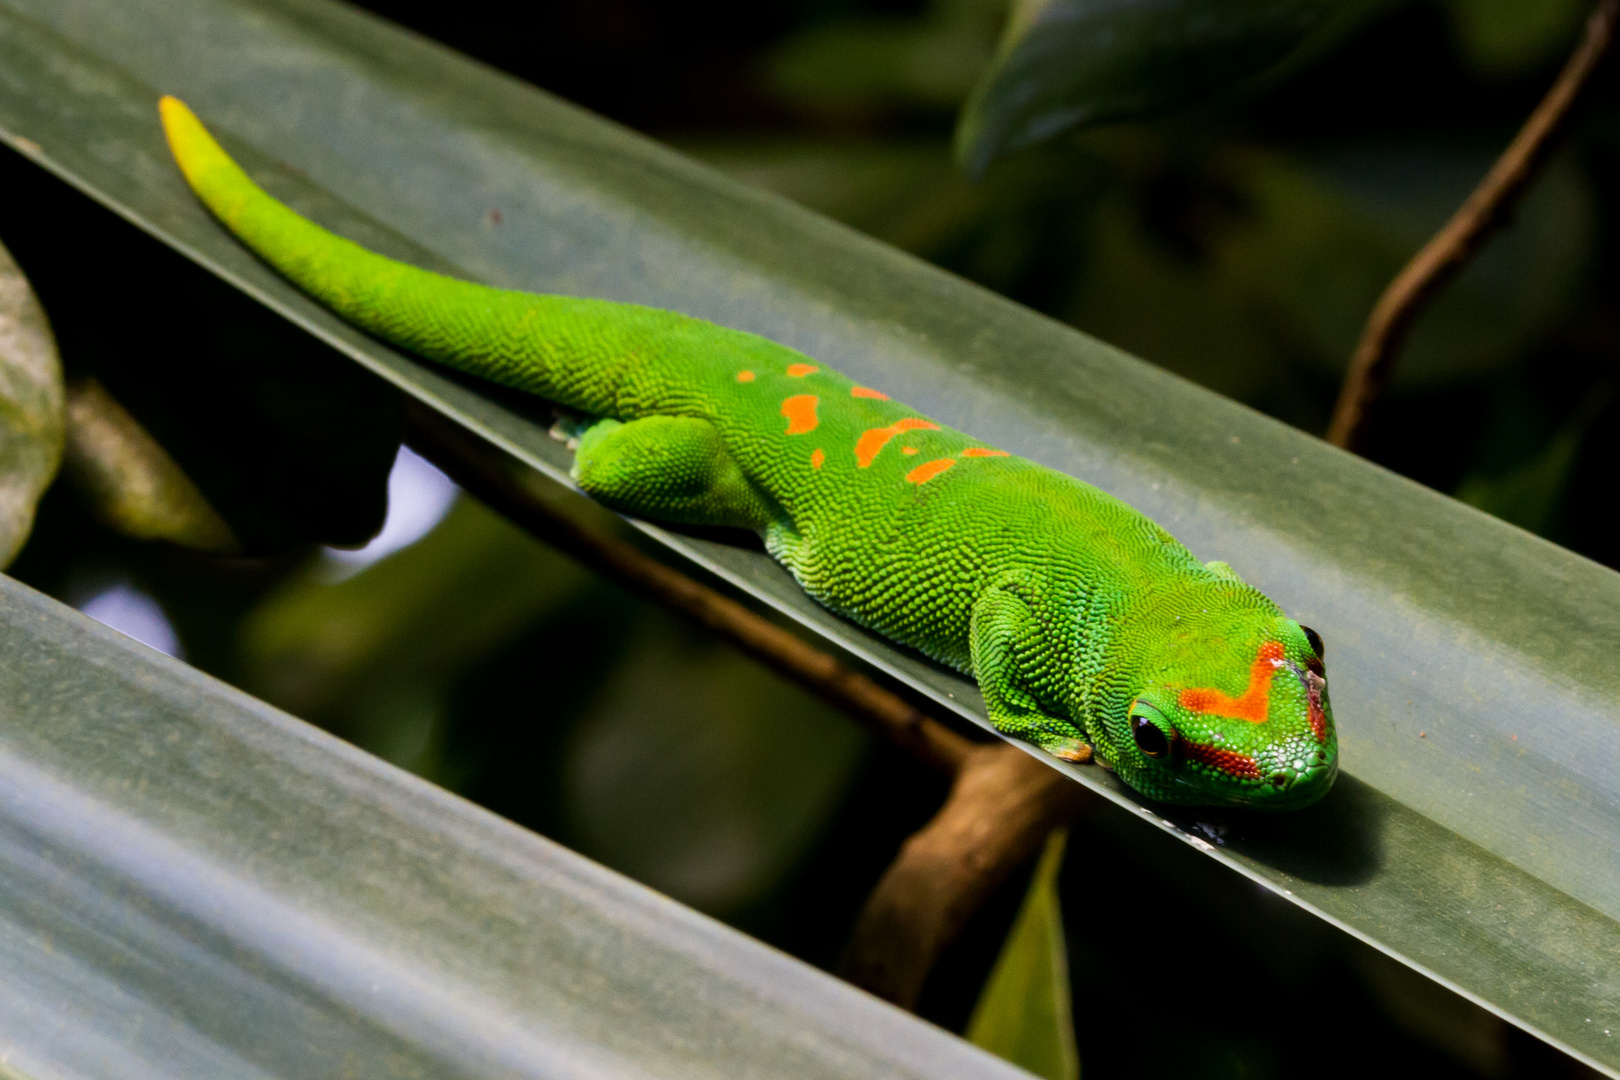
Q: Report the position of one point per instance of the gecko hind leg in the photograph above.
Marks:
(671, 468)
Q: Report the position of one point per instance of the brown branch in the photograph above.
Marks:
(1002, 802)
(1448, 251)
(1001, 807)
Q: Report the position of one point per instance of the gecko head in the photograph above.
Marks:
(1234, 711)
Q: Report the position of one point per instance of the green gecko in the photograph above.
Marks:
(1086, 625)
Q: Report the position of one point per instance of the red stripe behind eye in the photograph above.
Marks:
(1229, 762)
(1314, 713)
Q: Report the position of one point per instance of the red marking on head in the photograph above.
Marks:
(816, 458)
(1318, 721)
(983, 451)
(929, 469)
(745, 376)
(875, 439)
(1253, 705)
(799, 371)
(1314, 713)
(868, 392)
(1229, 762)
(800, 410)
(908, 450)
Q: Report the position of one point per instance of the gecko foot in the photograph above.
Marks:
(567, 426)
(1070, 750)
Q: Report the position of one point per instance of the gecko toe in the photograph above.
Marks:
(1071, 750)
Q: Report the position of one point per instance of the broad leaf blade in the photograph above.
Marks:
(30, 407)
(1025, 1013)
(1064, 63)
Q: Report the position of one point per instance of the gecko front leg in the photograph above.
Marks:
(1005, 643)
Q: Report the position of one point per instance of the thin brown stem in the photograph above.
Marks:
(1488, 208)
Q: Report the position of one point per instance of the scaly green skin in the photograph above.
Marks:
(1083, 621)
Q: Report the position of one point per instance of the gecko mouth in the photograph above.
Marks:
(1274, 785)
(1282, 790)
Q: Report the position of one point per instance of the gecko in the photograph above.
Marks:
(1090, 630)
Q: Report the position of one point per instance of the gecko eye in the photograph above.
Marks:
(1314, 664)
(1315, 641)
(1150, 738)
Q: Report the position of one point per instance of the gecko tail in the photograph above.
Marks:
(571, 350)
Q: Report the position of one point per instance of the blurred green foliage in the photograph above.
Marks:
(1504, 38)
(31, 407)
(680, 762)
(1239, 242)
(1024, 1013)
(1063, 63)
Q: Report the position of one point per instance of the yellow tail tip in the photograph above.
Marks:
(174, 112)
(194, 149)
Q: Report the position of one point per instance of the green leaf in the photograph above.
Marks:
(1063, 63)
(693, 769)
(290, 445)
(700, 772)
(1275, 269)
(131, 483)
(870, 62)
(405, 627)
(30, 407)
(1530, 494)
(1024, 1013)
(1505, 38)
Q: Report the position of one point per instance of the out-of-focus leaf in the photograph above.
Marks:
(1279, 265)
(373, 656)
(1530, 494)
(1503, 38)
(132, 484)
(871, 62)
(868, 184)
(286, 441)
(1024, 1013)
(30, 407)
(1336, 232)
(1063, 63)
(1024, 231)
(701, 773)
(694, 770)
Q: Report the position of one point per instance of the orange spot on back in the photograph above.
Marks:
(800, 410)
(745, 376)
(929, 469)
(799, 371)
(874, 440)
(983, 451)
(816, 458)
(908, 450)
(868, 392)
(1253, 705)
